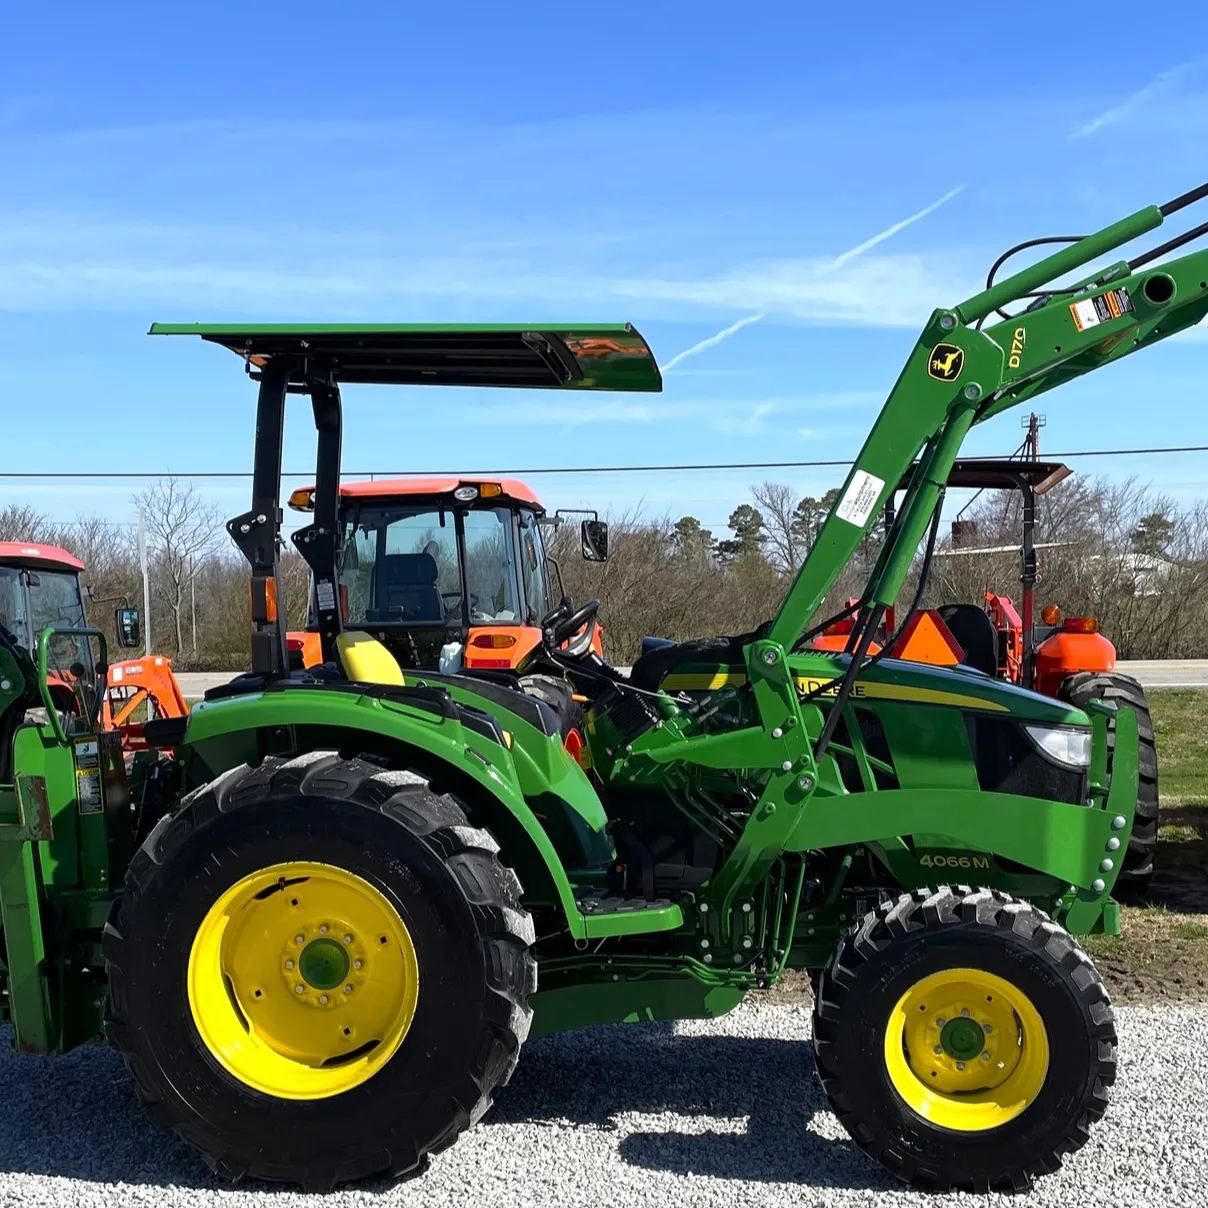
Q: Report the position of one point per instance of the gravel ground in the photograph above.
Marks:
(720, 1113)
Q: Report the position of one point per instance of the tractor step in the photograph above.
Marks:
(609, 914)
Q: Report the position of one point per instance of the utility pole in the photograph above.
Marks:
(142, 559)
(1031, 442)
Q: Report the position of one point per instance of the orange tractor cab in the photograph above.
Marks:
(1067, 658)
(447, 569)
(39, 588)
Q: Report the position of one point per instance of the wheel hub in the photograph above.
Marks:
(324, 964)
(963, 1039)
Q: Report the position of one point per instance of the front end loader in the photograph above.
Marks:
(323, 929)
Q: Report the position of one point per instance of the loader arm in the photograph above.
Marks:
(958, 375)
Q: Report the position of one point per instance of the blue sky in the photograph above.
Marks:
(681, 166)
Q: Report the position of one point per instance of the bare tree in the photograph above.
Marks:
(182, 529)
(778, 506)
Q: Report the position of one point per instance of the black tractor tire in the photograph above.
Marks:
(559, 695)
(1136, 870)
(926, 933)
(440, 875)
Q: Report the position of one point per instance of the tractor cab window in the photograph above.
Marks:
(31, 600)
(12, 606)
(533, 567)
(402, 565)
(55, 599)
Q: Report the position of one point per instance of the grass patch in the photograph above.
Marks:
(1180, 722)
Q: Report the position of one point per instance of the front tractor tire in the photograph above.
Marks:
(964, 1040)
(1136, 870)
(319, 971)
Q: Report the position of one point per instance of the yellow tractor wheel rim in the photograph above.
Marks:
(966, 1050)
(303, 981)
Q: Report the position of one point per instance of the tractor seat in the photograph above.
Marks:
(660, 657)
(367, 661)
(975, 632)
(407, 590)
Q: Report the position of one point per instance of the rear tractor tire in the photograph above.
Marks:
(1136, 870)
(318, 971)
(964, 1040)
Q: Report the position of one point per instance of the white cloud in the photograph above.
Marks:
(1118, 113)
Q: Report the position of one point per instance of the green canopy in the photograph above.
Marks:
(585, 357)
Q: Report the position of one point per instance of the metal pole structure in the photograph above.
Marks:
(142, 559)
(193, 602)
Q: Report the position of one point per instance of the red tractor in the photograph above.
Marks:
(40, 587)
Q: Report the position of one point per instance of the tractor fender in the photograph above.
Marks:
(1064, 654)
(224, 733)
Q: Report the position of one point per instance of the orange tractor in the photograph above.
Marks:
(453, 573)
(1067, 658)
(40, 587)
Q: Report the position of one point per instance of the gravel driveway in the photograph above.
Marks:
(720, 1113)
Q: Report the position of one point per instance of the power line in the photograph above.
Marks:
(531, 472)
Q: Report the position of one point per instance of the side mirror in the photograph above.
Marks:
(595, 540)
(129, 630)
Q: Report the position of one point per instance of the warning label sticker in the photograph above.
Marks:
(860, 498)
(88, 775)
(325, 595)
(1090, 312)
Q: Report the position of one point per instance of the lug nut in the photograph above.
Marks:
(778, 733)
(289, 964)
(1107, 864)
(347, 989)
(1113, 843)
(299, 939)
(987, 1028)
(940, 1021)
(299, 990)
(1118, 822)
(964, 1012)
(348, 939)
(960, 1065)
(357, 964)
(1098, 885)
(323, 929)
(985, 1056)
(939, 1048)
(323, 999)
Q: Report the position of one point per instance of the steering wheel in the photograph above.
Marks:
(561, 625)
(456, 595)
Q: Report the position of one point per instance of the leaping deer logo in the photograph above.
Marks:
(945, 362)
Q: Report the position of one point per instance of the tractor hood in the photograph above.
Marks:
(924, 684)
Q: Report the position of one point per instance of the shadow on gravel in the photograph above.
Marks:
(77, 1117)
(751, 1100)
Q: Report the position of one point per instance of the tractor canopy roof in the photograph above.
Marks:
(575, 357)
(1000, 474)
(37, 557)
(501, 490)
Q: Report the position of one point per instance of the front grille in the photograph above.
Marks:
(1008, 762)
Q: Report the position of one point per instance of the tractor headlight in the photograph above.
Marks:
(1063, 744)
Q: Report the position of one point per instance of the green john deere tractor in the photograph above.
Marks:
(359, 891)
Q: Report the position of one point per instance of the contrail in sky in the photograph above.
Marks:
(830, 266)
(724, 334)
